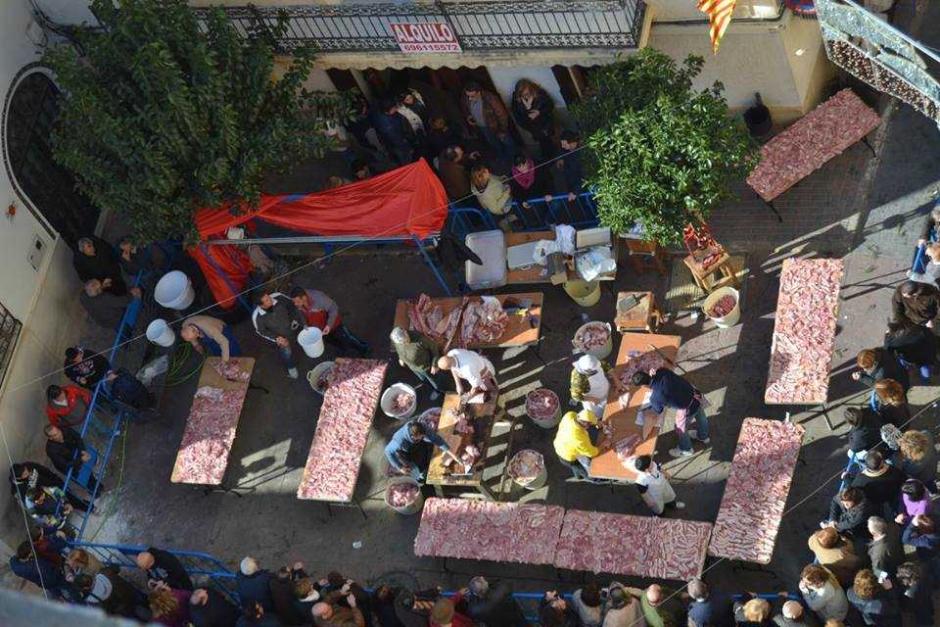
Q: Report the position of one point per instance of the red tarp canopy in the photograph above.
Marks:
(409, 200)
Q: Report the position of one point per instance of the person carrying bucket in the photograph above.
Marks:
(321, 312)
(589, 384)
(210, 336)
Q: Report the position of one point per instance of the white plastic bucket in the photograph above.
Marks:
(320, 370)
(407, 510)
(311, 340)
(600, 352)
(733, 316)
(388, 401)
(174, 291)
(160, 333)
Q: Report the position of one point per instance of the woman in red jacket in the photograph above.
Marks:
(67, 406)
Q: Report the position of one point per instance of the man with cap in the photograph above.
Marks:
(420, 354)
(210, 336)
(667, 389)
(589, 383)
(576, 441)
(473, 373)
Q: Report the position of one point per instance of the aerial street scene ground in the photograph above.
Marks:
(595, 313)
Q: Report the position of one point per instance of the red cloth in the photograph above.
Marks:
(72, 394)
(409, 200)
(315, 317)
(233, 261)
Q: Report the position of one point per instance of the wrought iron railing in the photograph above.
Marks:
(488, 25)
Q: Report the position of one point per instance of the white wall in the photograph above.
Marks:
(505, 78)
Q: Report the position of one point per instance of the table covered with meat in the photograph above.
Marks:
(640, 546)
(810, 142)
(804, 332)
(467, 431)
(756, 491)
(342, 430)
(213, 419)
(482, 530)
(474, 321)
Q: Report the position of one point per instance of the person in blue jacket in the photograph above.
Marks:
(37, 570)
(409, 450)
(667, 389)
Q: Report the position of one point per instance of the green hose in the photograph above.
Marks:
(174, 374)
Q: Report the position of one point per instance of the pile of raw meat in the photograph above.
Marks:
(592, 336)
(723, 307)
(756, 491)
(481, 321)
(207, 439)
(430, 418)
(626, 448)
(541, 404)
(638, 362)
(470, 455)
(231, 370)
(806, 145)
(342, 430)
(401, 494)
(403, 402)
(526, 466)
(323, 381)
(804, 331)
(463, 424)
(640, 546)
(484, 530)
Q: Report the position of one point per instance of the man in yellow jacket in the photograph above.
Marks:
(574, 443)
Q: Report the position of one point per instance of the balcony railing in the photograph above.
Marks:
(525, 24)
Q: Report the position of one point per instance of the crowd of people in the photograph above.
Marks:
(481, 158)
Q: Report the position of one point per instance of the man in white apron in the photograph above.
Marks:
(589, 384)
(653, 484)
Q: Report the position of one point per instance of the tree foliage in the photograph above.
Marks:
(660, 152)
(159, 116)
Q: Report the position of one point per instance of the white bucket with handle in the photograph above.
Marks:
(160, 333)
(729, 319)
(174, 291)
(311, 340)
(407, 509)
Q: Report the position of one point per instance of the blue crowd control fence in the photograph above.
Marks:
(534, 214)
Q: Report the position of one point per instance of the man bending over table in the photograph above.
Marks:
(474, 369)
(667, 389)
(410, 449)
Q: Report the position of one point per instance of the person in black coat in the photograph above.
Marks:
(282, 595)
(881, 484)
(395, 132)
(96, 259)
(37, 570)
(914, 587)
(914, 345)
(528, 182)
(209, 608)
(66, 450)
(254, 585)
(84, 368)
(163, 566)
(534, 111)
(26, 475)
(879, 363)
(849, 512)
(865, 432)
(493, 605)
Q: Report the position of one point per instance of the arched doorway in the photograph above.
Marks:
(29, 114)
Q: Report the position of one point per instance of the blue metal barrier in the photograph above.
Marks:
(535, 214)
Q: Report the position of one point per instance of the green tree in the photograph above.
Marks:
(160, 116)
(659, 152)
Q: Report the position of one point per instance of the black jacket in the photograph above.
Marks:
(104, 264)
(44, 478)
(255, 589)
(88, 372)
(887, 366)
(217, 612)
(167, 568)
(544, 122)
(105, 309)
(915, 344)
(670, 390)
(855, 520)
(887, 553)
(541, 186)
(867, 433)
(282, 319)
(287, 610)
(498, 607)
(883, 491)
(63, 454)
(916, 309)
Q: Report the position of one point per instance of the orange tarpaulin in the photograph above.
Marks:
(409, 200)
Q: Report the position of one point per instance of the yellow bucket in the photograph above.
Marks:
(585, 293)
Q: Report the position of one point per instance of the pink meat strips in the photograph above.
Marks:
(482, 530)
(641, 546)
(804, 332)
(342, 430)
(807, 144)
(208, 437)
(756, 490)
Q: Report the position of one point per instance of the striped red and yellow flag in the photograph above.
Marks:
(719, 16)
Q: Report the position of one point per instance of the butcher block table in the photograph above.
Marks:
(642, 316)
(483, 419)
(638, 546)
(635, 353)
(756, 491)
(806, 145)
(804, 333)
(210, 428)
(536, 273)
(519, 331)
